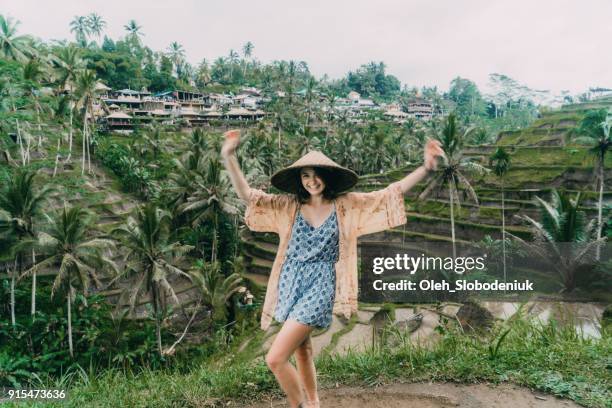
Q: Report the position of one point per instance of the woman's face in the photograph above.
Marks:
(311, 182)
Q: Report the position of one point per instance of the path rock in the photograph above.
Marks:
(321, 341)
(472, 316)
(501, 310)
(403, 329)
(359, 340)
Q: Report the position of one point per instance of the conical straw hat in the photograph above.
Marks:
(287, 179)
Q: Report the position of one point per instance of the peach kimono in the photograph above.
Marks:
(357, 213)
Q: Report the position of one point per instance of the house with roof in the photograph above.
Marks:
(396, 115)
(420, 108)
(128, 99)
(599, 92)
(251, 91)
(119, 122)
(220, 99)
(247, 101)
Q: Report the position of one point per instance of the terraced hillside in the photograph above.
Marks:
(543, 157)
(101, 193)
(375, 325)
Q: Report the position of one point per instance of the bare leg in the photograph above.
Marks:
(307, 373)
(290, 336)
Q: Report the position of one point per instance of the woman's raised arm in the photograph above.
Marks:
(433, 150)
(228, 154)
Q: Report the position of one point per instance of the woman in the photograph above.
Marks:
(315, 269)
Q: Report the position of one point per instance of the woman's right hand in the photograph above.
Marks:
(232, 140)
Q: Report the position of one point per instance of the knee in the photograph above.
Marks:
(274, 361)
(304, 351)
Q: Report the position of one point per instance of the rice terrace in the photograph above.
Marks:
(130, 276)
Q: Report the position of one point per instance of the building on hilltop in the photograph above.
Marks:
(595, 93)
(396, 115)
(119, 122)
(419, 108)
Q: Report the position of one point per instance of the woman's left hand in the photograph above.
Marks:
(433, 150)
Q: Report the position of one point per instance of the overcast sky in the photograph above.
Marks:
(544, 44)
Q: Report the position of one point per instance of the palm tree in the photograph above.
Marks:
(331, 100)
(594, 131)
(216, 290)
(279, 109)
(176, 53)
(11, 92)
(500, 160)
(479, 136)
(67, 65)
(13, 46)
(451, 174)
(154, 141)
(561, 223)
(134, 32)
(151, 254)
(20, 205)
(211, 197)
(80, 27)
(96, 24)
(220, 70)
(33, 74)
(377, 154)
(247, 52)
(233, 58)
(8, 241)
(344, 149)
(86, 93)
(308, 98)
(247, 49)
(291, 73)
(203, 74)
(78, 257)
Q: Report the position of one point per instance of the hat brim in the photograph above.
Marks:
(340, 181)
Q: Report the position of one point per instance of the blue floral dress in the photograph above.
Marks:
(307, 283)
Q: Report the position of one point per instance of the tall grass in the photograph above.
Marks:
(547, 357)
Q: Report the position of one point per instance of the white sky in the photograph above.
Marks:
(544, 44)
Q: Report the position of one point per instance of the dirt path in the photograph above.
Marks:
(427, 395)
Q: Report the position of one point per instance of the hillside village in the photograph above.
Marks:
(120, 110)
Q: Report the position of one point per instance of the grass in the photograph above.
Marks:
(548, 358)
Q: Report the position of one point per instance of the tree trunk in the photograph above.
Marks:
(89, 130)
(70, 139)
(214, 242)
(33, 286)
(69, 323)
(39, 126)
(83, 145)
(503, 230)
(20, 142)
(157, 319)
(236, 232)
(599, 206)
(12, 291)
(88, 153)
(28, 146)
(452, 214)
(57, 156)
